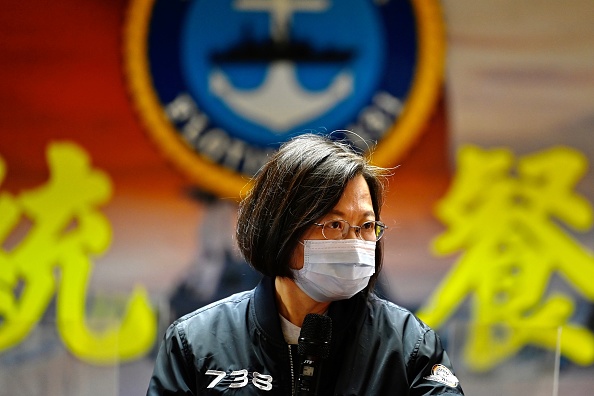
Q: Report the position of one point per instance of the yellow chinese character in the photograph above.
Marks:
(507, 223)
(65, 230)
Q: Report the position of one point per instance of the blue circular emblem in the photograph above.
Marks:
(222, 83)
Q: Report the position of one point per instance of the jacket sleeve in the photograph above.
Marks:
(430, 369)
(173, 373)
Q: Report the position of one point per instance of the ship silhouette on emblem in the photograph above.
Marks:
(280, 103)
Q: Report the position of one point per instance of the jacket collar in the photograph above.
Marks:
(265, 312)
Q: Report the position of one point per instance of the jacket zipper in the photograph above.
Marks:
(292, 372)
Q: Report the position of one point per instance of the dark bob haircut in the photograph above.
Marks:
(302, 182)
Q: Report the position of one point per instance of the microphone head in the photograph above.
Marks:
(315, 336)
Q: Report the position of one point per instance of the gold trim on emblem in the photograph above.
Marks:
(418, 107)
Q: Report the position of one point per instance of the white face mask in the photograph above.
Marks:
(335, 269)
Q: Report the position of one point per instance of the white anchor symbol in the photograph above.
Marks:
(280, 102)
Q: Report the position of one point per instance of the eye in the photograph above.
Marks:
(370, 225)
(335, 224)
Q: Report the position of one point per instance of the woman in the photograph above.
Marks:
(311, 225)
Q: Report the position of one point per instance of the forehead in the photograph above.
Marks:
(355, 200)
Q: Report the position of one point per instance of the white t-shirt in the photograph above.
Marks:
(290, 331)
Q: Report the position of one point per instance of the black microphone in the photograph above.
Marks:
(313, 347)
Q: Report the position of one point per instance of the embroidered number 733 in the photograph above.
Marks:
(241, 378)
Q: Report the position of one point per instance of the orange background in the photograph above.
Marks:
(63, 79)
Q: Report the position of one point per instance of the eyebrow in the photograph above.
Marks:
(369, 213)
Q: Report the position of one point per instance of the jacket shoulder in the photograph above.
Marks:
(222, 315)
(215, 310)
(399, 324)
(390, 314)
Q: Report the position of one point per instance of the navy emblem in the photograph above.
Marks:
(220, 84)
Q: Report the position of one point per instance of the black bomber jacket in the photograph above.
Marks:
(236, 347)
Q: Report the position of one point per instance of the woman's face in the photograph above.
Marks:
(355, 206)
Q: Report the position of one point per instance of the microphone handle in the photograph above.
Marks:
(308, 378)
